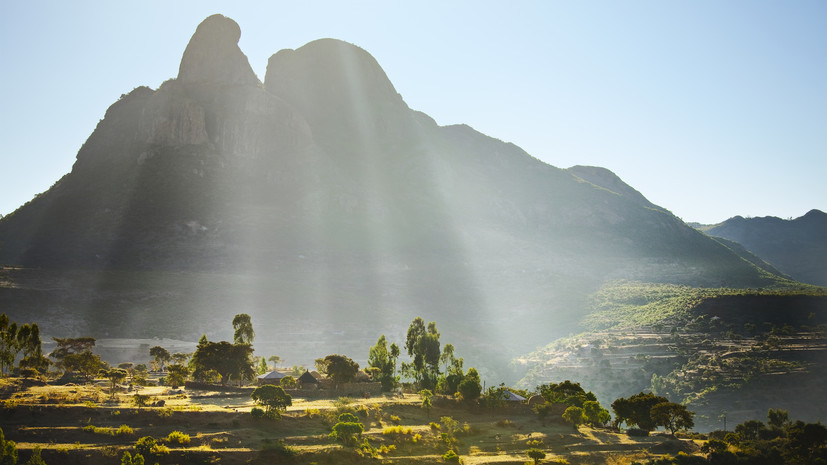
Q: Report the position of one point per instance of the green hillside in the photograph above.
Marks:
(720, 351)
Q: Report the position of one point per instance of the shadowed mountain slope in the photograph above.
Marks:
(797, 247)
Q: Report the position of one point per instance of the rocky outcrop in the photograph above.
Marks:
(213, 56)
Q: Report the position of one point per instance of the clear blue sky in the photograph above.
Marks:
(709, 108)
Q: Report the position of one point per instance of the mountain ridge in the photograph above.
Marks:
(319, 196)
(797, 247)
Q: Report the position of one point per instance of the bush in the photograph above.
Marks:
(397, 430)
(348, 417)
(178, 437)
(536, 455)
(144, 445)
(278, 448)
(451, 457)
(124, 430)
(257, 412)
(140, 400)
(347, 432)
(637, 432)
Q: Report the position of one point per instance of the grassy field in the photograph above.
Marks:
(85, 424)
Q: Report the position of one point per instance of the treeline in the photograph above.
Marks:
(779, 441)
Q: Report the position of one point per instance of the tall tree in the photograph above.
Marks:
(453, 371)
(672, 416)
(636, 410)
(32, 349)
(160, 355)
(228, 360)
(470, 387)
(380, 358)
(177, 374)
(273, 398)
(15, 339)
(340, 368)
(243, 326)
(8, 343)
(115, 376)
(75, 355)
(423, 347)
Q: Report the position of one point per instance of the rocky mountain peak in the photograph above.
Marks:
(213, 55)
(337, 84)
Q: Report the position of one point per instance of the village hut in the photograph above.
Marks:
(308, 381)
(511, 397)
(274, 377)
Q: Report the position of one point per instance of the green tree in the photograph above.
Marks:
(177, 374)
(86, 363)
(115, 377)
(672, 416)
(423, 347)
(567, 392)
(145, 446)
(273, 398)
(180, 358)
(160, 355)
(426, 396)
(288, 382)
(380, 358)
(536, 455)
(596, 415)
(243, 326)
(749, 430)
(470, 387)
(636, 410)
(340, 368)
(228, 360)
(449, 384)
(347, 432)
(128, 459)
(496, 396)
(36, 458)
(8, 450)
(14, 340)
(8, 343)
(574, 416)
(778, 418)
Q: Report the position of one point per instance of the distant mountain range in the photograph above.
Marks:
(322, 205)
(796, 247)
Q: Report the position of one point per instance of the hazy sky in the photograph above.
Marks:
(709, 108)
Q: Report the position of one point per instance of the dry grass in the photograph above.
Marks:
(221, 428)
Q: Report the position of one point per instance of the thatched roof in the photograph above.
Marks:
(307, 378)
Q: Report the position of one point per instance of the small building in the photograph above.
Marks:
(308, 381)
(274, 377)
(511, 397)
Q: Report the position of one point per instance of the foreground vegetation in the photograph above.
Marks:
(85, 424)
(667, 350)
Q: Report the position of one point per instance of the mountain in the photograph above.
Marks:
(797, 247)
(322, 205)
